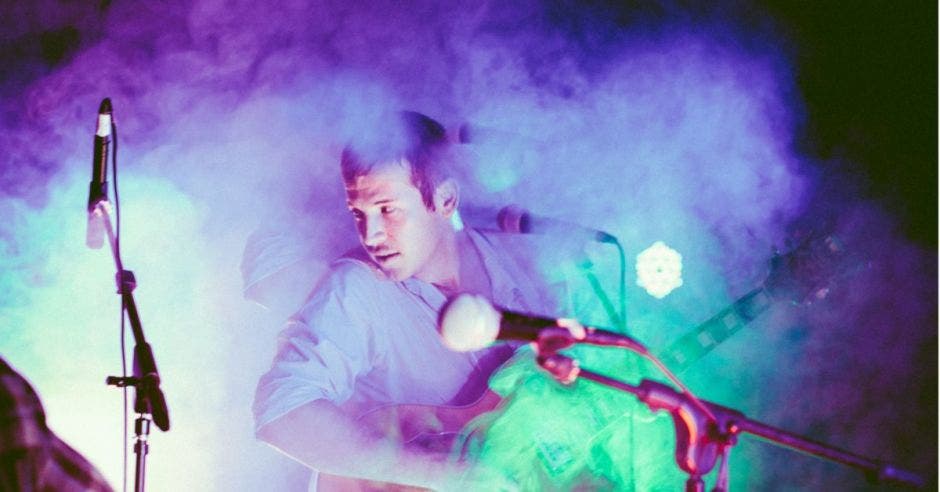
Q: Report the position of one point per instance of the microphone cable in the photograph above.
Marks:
(123, 328)
(618, 320)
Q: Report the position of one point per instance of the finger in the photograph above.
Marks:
(574, 327)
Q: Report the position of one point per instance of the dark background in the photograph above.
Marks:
(868, 75)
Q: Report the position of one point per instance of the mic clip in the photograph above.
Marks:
(97, 193)
(552, 339)
(564, 369)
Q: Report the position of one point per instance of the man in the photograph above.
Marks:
(32, 457)
(367, 335)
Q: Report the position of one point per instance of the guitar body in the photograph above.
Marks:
(431, 428)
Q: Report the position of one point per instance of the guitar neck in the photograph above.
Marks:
(698, 342)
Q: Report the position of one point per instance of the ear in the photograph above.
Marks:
(446, 197)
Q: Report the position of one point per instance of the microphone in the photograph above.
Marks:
(98, 188)
(516, 219)
(469, 322)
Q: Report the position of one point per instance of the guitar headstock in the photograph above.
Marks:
(805, 274)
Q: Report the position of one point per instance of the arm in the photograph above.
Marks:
(317, 369)
(321, 436)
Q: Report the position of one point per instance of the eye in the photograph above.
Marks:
(357, 214)
(388, 209)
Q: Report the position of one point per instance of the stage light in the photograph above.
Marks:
(659, 270)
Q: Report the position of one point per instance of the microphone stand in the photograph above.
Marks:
(702, 440)
(149, 402)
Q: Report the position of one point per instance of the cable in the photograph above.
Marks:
(117, 198)
(117, 253)
(619, 321)
(675, 380)
(623, 286)
(623, 329)
(615, 319)
(124, 375)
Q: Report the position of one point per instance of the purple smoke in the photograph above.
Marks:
(655, 123)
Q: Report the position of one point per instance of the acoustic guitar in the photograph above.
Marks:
(797, 276)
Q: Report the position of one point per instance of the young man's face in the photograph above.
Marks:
(403, 237)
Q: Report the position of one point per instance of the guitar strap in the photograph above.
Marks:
(478, 382)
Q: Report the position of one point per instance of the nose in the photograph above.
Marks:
(372, 231)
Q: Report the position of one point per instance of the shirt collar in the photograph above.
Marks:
(506, 292)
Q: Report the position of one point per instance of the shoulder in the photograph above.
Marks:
(353, 269)
(502, 242)
(512, 250)
(350, 277)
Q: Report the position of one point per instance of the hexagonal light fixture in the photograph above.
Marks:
(659, 270)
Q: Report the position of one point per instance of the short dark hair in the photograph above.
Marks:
(415, 137)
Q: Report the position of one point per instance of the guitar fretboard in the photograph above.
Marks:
(698, 342)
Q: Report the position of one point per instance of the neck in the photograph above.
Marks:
(468, 273)
(444, 269)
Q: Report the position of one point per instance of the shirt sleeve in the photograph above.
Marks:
(323, 349)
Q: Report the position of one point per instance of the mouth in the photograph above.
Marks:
(385, 258)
